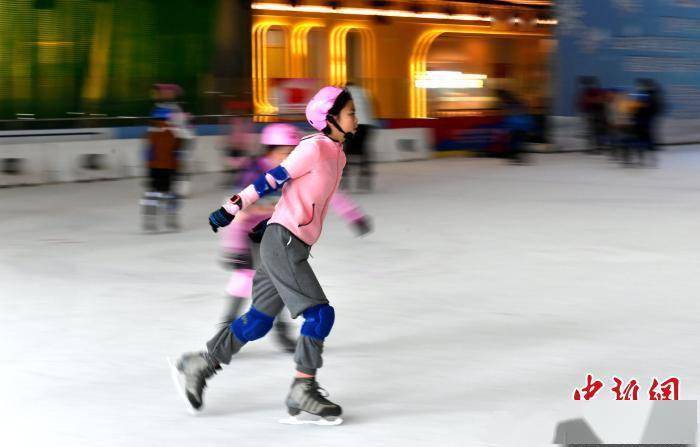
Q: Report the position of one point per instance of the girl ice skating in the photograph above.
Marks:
(308, 179)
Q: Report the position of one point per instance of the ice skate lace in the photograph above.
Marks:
(200, 379)
(319, 392)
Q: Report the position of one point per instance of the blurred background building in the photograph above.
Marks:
(620, 41)
(475, 76)
(417, 59)
(73, 58)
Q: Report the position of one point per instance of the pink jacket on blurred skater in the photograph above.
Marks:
(303, 214)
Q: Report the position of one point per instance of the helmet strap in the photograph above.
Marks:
(347, 135)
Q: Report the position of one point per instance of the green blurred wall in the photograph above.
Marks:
(101, 56)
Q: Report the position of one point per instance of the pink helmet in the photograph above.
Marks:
(317, 109)
(280, 134)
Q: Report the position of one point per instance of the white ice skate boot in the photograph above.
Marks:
(149, 211)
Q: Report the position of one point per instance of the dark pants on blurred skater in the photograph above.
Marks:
(283, 278)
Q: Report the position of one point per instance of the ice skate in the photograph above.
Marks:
(170, 205)
(190, 375)
(149, 212)
(307, 404)
(172, 222)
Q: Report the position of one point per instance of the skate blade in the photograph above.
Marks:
(307, 419)
(180, 387)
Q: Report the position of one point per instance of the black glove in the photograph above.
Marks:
(362, 226)
(219, 218)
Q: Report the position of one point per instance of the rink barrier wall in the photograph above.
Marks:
(569, 133)
(391, 145)
(29, 157)
(459, 134)
(23, 165)
(74, 155)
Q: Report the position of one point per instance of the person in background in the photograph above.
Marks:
(517, 122)
(592, 105)
(359, 165)
(240, 142)
(167, 102)
(619, 123)
(650, 106)
(162, 162)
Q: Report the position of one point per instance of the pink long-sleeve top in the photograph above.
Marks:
(315, 167)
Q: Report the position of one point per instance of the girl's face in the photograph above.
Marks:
(346, 120)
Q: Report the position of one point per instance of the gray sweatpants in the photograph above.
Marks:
(283, 278)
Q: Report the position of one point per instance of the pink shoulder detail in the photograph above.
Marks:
(313, 135)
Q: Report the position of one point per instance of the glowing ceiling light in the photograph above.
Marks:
(547, 22)
(450, 79)
(371, 12)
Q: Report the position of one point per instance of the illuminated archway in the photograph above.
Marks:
(418, 104)
(261, 101)
(339, 52)
(300, 47)
(418, 65)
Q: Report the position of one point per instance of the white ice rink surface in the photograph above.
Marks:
(484, 296)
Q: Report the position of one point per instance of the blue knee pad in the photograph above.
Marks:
(319, 321)
(251, 325)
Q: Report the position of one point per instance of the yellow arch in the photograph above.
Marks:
(300, 47)
(338, 54)
(261, 102)
(418, 63)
